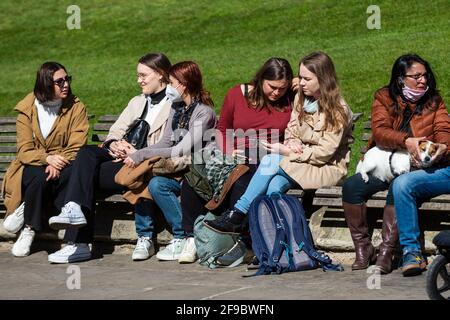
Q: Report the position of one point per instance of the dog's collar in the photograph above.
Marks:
(390, 164)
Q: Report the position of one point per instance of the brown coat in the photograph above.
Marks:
(237, 172)
(68, 134)
(326, 155)
(432, 123)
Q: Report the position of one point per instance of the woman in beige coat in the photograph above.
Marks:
(52, 126)
(316, 149)
(95, 167)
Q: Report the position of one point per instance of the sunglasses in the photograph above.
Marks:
(61, 81)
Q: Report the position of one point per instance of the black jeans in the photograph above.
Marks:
(356, 191)
(41, 196)
(192, 205)
(93, 173)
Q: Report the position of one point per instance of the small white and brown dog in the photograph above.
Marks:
(387, 164)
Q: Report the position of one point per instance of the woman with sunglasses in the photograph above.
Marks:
(409, 109)
(52, 126)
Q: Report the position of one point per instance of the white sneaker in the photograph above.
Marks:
(21, 247)
(14, 222)
(71, 215)
(189, 253)
(144, 249)
(172, 251)
(72, 252)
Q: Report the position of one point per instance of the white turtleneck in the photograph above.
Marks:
(47, 114)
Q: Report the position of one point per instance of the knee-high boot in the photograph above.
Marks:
(356, 217)
(389, 235)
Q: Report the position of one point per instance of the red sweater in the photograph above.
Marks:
(236, 114)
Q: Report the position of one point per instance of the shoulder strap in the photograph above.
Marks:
(144, 113)
(306, 241)
(246, 90)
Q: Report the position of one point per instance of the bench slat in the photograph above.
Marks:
(8, 149)
(6, 159)
(7, 120)
(336, 192)
(102, 126)
(7, 129)
(108, 118)
(8, 139)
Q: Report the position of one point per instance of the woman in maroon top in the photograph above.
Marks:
(259, 110)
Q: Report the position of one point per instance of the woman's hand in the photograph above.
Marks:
(56, 161)
(121, 149)
(129, 162)
(439, 153)
(295, 145)
(277, 148)
(412, 145)
(52, 173)
(295, 84)
(126, 147)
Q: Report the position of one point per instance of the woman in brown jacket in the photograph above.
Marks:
(407, 110)
(52, 126)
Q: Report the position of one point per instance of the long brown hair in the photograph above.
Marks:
(189, 75)
(272, 69)
(330, 98)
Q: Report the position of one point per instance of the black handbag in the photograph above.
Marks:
(137, 134)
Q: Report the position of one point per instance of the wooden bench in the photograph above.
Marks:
(114, 219)
(330, 201)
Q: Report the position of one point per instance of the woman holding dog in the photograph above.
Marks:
(406, 111)
(315, 152)
(95, 167)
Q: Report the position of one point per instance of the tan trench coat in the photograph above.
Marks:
(68, 134)
(326, 154)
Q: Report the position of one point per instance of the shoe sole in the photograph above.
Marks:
(65, 225)
(185, 261)
(220, 231)
(71, 260)
(168, 259)
(414, 269)
(142, 259)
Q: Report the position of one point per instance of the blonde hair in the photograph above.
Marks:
(330, 98)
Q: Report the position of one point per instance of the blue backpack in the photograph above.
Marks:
(281, 238)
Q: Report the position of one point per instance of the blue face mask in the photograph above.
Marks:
(173, 94)
(310, 106)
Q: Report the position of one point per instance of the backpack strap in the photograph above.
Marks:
(324, 260)
(270, 264)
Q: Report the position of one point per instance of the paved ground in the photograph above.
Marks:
(115, 276)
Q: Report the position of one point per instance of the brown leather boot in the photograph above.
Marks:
(389, 234)
(356, 217)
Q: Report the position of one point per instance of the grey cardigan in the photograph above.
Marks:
(203, 118)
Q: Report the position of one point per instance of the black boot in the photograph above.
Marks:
(231, 221)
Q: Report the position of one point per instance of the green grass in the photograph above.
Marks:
(229, 39)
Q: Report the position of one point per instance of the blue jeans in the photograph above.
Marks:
(269, 178)
(165, 192)
(410, 189)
